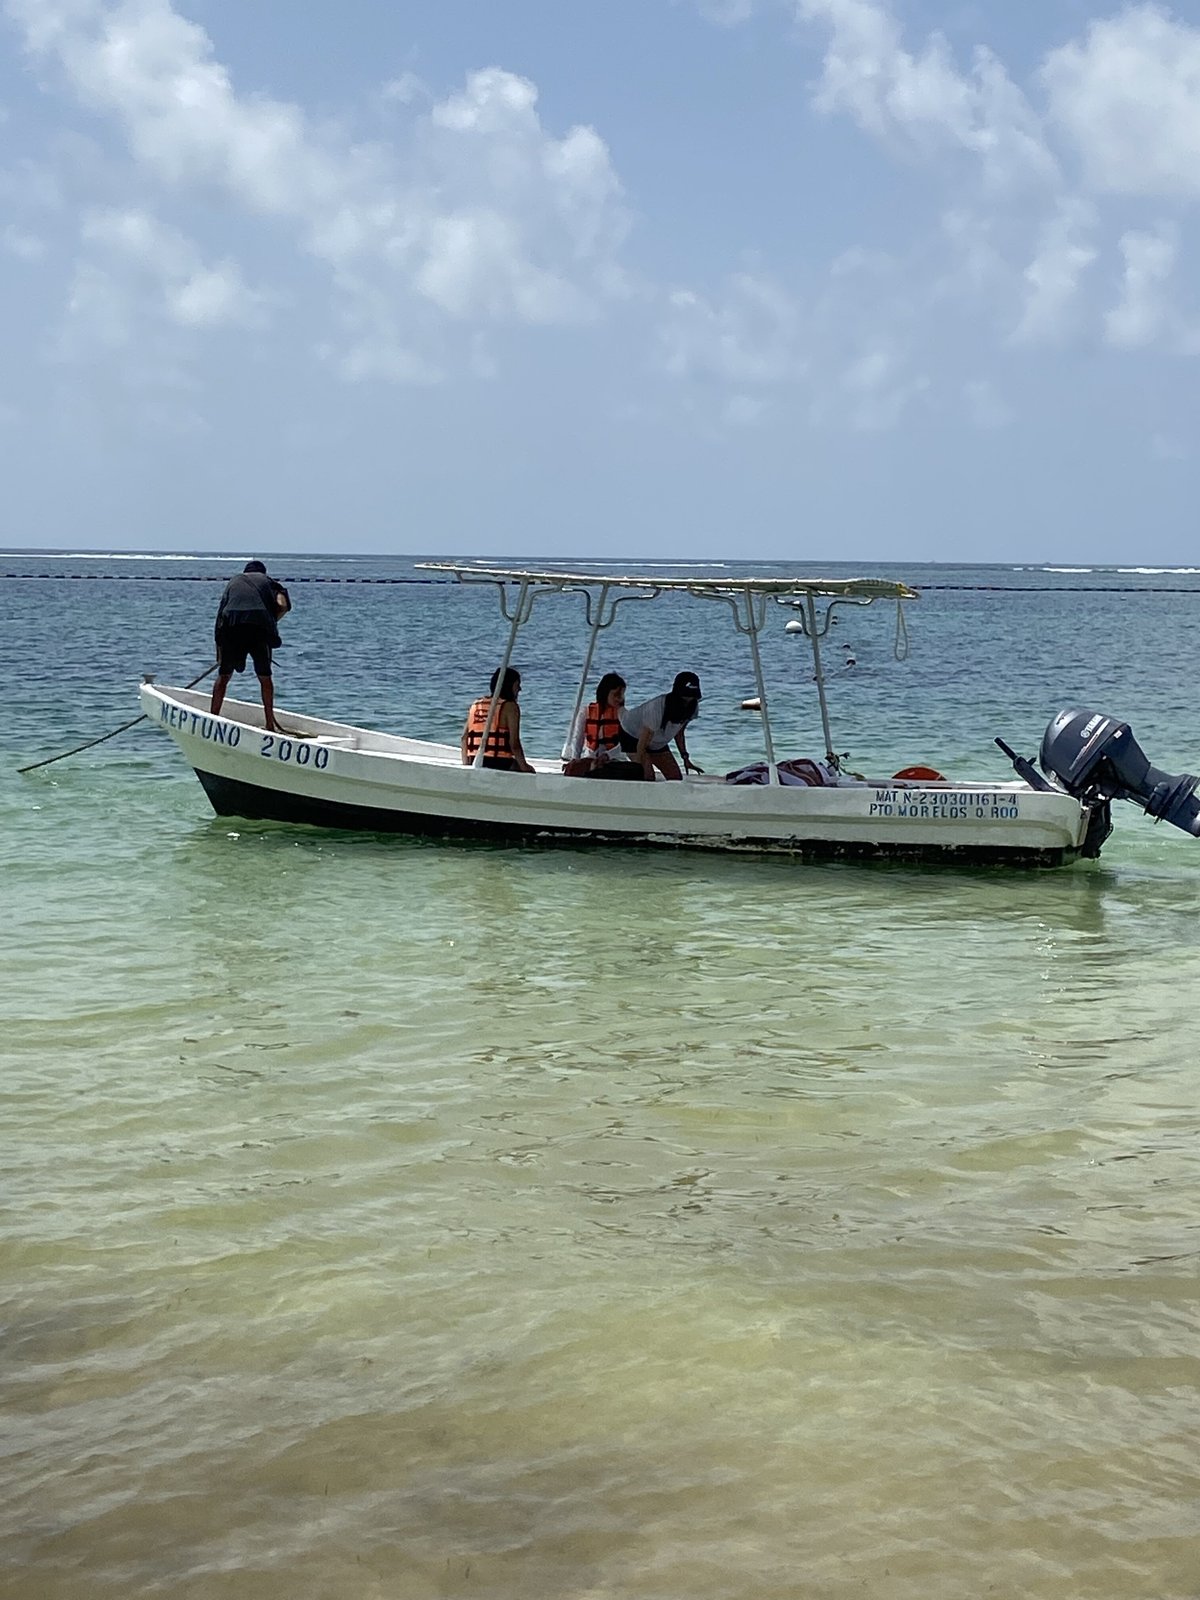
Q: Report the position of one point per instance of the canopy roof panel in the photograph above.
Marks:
(832, 588)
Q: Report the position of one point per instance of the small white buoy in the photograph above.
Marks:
(793, 626)
(752, 705)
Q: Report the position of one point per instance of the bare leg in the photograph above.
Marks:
(218, 694)
(268, 700)
(666, 764)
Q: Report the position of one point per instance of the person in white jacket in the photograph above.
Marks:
(594, 748)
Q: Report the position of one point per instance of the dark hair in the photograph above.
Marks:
(511, 679)
(683, 701)
(609, 682)
(254, 566)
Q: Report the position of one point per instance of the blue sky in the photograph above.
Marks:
(858, 279)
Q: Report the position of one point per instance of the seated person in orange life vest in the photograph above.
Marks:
(503, 752)
(594, 748)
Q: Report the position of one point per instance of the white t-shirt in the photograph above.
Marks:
(650, 715)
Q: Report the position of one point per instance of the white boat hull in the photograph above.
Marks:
(344, 777)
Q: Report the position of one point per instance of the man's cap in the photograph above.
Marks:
(687, 683)
(254, 566)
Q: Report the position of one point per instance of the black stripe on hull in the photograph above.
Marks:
(230, 797)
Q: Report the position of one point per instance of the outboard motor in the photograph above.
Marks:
(1096, 758)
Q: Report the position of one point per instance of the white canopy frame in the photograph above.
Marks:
(746, 597)
(605, 614)
(814, 631)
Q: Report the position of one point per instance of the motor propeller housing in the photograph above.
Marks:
(1095, 757)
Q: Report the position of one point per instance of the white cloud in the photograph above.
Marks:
(31, 187)
(1128, 96)
(1143, 310)
(985, 406)
(484, 217)
(727, 13)
(140, 297)
(744, 410)
(1053, 277)
(978, 258)
(24, 246)
(1168, 447)
(130, 363)
(524, 225)
(1019, 260)
(878, 389)
(406, 90)
(750, 338)
(160, 263)
(373, 344)
(920, 100)
(375, 358)
(100, 315)
(211, 297)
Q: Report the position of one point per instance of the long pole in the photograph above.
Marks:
(819, 675)
(518, 618)
(754, 624)
(132, 723)
(587, 661)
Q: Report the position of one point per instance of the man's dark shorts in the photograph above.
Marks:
(237, 640)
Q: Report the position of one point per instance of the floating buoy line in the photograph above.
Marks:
(192, 577)
(923, 588)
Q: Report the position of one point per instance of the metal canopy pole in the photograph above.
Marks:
(819, 675)
(518, 617)
(755, 624)
(587, 662)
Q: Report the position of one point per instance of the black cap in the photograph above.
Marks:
(687, 685)
(254, 566)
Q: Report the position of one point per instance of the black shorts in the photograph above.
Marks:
(237, 640)
(629, 745)
(499, 763)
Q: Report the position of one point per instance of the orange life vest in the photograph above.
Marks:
(601, 729)
(499, 747)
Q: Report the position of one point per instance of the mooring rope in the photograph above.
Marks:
(132, 723)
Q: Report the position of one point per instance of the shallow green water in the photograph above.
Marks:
(395, 1220)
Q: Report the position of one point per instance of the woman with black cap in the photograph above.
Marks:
(647, 730)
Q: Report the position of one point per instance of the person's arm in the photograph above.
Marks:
(283, 600)
(681, 744)
(462, 743)
(512, 721)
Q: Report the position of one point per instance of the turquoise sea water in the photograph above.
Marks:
(387, 1219)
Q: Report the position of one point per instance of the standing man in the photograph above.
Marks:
(248, 625)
